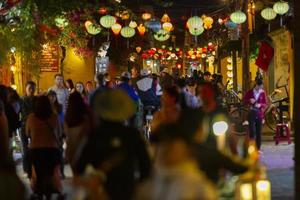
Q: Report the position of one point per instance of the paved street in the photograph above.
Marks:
(280, 168)
(278, 160)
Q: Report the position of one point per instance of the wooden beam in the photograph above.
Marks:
(296, 75)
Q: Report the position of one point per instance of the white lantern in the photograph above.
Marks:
(195, 22)
(268, 14)
(238, 17)
(281, 7)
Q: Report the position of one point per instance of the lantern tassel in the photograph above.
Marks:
(281, 21)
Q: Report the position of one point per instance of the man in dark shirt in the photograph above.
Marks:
(27, 104)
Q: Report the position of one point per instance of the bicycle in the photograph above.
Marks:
(238, 112)
(148, 116)
(277, 111)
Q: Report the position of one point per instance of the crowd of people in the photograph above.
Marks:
(99, 133)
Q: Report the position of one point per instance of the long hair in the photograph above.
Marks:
(76, 110)
(57, 106)
(42, 107)
(3, 93)
(71, 84)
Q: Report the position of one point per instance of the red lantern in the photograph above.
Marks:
(102, 10)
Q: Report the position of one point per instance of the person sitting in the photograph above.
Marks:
(147, 90)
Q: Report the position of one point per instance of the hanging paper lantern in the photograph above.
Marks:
(132, 24)
(162, 35)
(165, 18)
(153, 25)
(281, 7)
(107, 21)
(220, 21)
(142, 29)
(127, 32)
(61, 22)
(146, 16)
(167, 26)
(208, 21)
(268, 14)
(238, 17)
(125, 15)
(91, 28)
(87, 24)
(102, 10)
(196, 31)
(231, 25)
(116, 28)
(138, 49)
(195, 22)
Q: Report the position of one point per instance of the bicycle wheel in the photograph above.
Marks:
(271, 118)
(239, 117)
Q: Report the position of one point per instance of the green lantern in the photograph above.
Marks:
(107, 21)
(196, 31)
(268, 14)
(93, 29)
(162, 35)
(127, 32)
(61, 22)
(194, 22)
(281, 7)
(238, 17)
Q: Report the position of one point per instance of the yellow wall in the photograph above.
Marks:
(75, 68)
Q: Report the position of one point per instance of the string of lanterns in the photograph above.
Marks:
(162, 28)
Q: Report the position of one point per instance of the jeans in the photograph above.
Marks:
(25, 151)
(255, 127)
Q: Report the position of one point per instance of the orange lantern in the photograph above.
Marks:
(116, 28)
(165, 18)
(146, 16)
(142, 29)
(138, 49)
(125, 15)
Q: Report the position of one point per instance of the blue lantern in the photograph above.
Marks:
(231, 25)
(153, 25)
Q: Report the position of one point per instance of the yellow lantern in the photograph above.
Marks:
(142, 29)
(281, 7)
(146, 16)
(165, 18)
(167, 26)
(116, 28)
(194, 22)
(132, 24)
(87, 24)
(208, 21)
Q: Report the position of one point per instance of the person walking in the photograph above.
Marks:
(70, 85)
(27, 105)
(61, 91)
(44, 130)
(79, 87)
